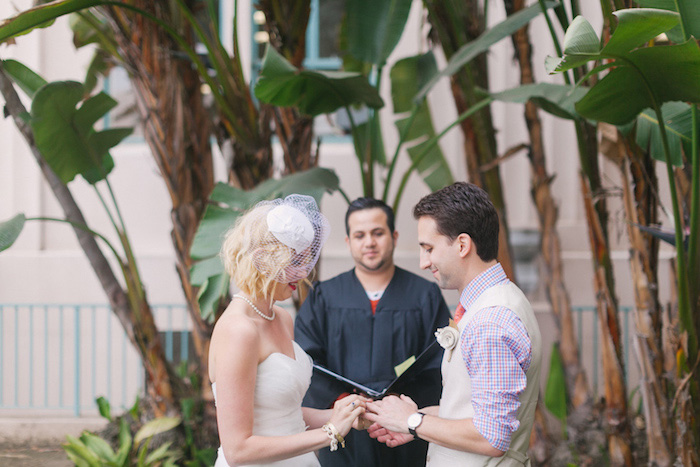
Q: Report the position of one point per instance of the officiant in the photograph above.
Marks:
(366, 321)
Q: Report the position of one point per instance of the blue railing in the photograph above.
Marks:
(59, 358)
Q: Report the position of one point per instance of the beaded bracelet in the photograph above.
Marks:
(334, 436)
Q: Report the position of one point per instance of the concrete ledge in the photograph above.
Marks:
(45, 431)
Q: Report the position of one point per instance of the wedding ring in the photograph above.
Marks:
(353, 404)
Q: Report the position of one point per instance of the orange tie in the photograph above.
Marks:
(459, 312)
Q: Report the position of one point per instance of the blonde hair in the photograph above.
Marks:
(250, 242)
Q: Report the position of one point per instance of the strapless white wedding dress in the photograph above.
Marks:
(280, 385)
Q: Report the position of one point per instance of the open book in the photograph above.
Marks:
(406, 371)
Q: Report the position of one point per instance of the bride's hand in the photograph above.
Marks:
(346, 412)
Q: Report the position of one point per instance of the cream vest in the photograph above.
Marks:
(456, 400)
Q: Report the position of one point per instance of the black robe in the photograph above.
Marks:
(336, 327)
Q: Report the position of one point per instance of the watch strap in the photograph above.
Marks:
(413, 430)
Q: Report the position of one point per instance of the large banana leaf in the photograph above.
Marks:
(63, 131)
(41, 16)
(227, 204)
(312, 92)
(415, 124)
(481, 44)
(642, 77)
(374, 27)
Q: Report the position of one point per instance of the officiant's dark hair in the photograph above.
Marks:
(361, 204)
(463, 208)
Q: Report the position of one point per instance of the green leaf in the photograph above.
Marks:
(482, 43)
(79, 453)
(636, 27)
(215, 223)
(202, 270)
(98, 446)
(154, 427)
(211, 293)
(367, 138)
(555, 392)
(26, 79)
(670, 72)
(660, 4)
(372, 37)
(125, 443)
(10, 230)
(159, 454)
(134, 409)
(40, 15)
(407, 76)
(100, 65)
(678, 122)
(690, 17)
(580, 38)
(313, 182)
(675, 34)
(125, 438)
(312, 92)
(64, 132)
(104, 408)
(557, 99)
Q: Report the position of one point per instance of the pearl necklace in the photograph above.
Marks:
(256, 309)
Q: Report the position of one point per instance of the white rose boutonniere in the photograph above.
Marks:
(448, 337)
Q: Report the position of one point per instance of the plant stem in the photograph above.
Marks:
(684, 310)
(395, 157)
(81, 227)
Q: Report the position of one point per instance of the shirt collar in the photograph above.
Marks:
(492, 276)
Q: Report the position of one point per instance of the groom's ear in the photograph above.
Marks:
(464, 244)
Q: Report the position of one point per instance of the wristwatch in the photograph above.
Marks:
(414, 421)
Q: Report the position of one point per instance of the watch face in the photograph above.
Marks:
(414, 419)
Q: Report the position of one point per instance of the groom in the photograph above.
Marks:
(491, 379)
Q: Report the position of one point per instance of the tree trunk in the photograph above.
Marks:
(177, 129)
(641, 205)
(456, 23)
(576, 382)
(616, 418)
(134, 315)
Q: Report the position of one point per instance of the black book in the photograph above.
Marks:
(393, 387)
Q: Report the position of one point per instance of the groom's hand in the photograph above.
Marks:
(390, 438)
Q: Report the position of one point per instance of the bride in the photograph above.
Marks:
(259, 375)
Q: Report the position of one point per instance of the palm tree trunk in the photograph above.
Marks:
(177, 129)
(576, 382)
(640, 204)
(134, 315)
(455, 23)
(616, 418)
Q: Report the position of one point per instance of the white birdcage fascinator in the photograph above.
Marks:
(290, 245)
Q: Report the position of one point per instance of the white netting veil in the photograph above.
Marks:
(290, 243)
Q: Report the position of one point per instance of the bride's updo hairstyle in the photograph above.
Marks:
(275, 241)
